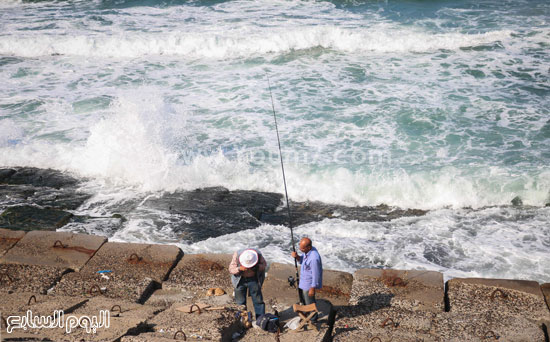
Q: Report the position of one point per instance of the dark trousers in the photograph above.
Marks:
(254, 289)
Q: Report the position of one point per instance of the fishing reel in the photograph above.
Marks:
(291, 282)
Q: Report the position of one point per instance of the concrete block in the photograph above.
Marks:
(36, 279)
(21, 304)
(136, 260)
(501, 297)
(545, 288)
(374, 289)
(485, 326)
(135, 271)
(114, 286)
(199, 272)
(417, 326)
(336, 285)
(8, 238)
(59, 249)
(209, 325)
(132, 318)
(163, 298)
(42, 305)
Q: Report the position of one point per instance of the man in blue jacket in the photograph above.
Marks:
(311, 271)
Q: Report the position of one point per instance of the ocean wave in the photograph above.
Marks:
(131, 149)
(244, 43)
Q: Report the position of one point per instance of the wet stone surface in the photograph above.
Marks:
(216, 211)
(36, 177)
(32, 198)
(28, 218)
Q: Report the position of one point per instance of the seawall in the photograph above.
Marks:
(147, 289)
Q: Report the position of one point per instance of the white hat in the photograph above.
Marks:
(248, 258)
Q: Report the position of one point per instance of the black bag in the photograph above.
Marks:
(268, 322)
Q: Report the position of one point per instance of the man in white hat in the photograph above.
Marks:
(247, 270)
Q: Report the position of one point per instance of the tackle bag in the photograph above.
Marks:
(268, 322)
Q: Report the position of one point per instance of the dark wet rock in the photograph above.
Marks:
(43, 195)
(516, 201)
(68, 199)
(37, 199)
(437, 254)
(216, 211)
(305, 212)
(37, 177)
(42, 187)
(118, 216)
(28, 217)
(212, 212)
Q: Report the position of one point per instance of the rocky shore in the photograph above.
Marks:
(147, 288)
(45, 199)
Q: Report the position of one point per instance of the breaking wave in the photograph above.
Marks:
(133, 147)
(244, 43)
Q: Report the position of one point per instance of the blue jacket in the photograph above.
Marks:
(311, 271)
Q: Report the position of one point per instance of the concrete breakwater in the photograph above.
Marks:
(144, 288)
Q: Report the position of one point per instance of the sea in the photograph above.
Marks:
(437, 105)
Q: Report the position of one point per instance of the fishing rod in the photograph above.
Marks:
(291, 281)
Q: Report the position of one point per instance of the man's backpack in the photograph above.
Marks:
(268, 322)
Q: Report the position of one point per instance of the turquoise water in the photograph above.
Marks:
(441, 105)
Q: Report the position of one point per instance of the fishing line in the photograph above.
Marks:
(284, 182)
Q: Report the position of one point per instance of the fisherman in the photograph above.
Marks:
(311, 271)
(247, 270)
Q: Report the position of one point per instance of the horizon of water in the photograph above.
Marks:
(435, 105)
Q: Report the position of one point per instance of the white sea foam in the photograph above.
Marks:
(246, 43)
(10, 3)
(138, 145)
(492, 244)
(131, 158)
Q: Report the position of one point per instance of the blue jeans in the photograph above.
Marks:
(255, 292)
(304, 294)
